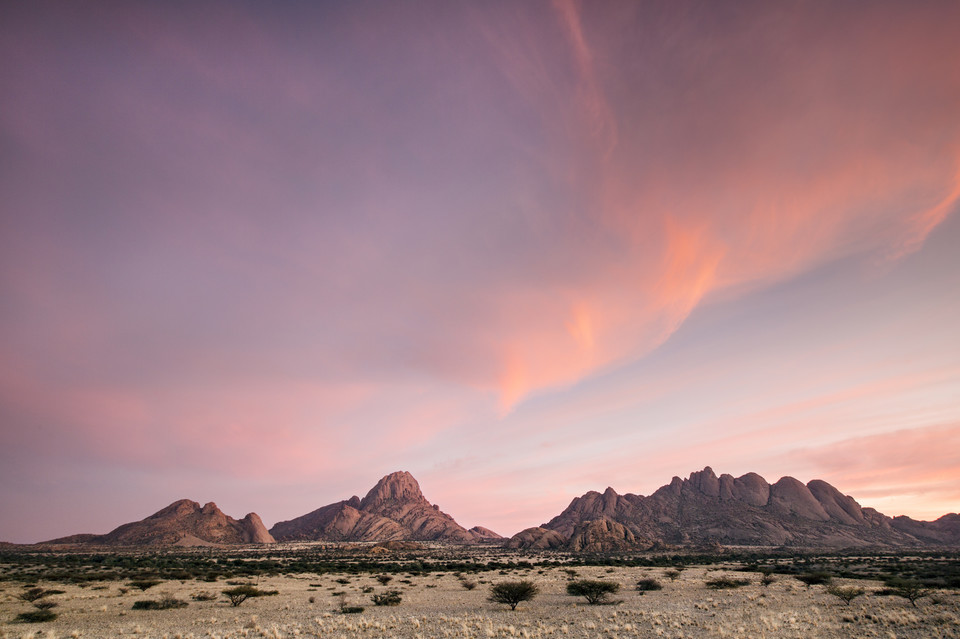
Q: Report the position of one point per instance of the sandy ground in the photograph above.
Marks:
(437, 605)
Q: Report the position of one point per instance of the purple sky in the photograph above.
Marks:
(265, 253)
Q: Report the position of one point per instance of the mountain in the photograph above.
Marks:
(945, 530)
(394, 509)
(705, 509)
(182, 523)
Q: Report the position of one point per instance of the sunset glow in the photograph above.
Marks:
(265, 253)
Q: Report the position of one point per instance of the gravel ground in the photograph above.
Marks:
(438, 605)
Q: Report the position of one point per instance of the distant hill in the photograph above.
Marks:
(705, 510)
(485, 533)
(394, 509)
(182, 523)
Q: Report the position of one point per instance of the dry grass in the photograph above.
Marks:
(684, 608)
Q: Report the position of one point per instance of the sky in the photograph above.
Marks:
(264, 253)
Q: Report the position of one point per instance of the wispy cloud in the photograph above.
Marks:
(267, 231)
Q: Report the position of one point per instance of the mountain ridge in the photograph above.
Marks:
(706, 509)
(703, 510)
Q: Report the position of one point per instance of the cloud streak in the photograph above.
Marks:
(242, 238)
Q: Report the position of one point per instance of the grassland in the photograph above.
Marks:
(444, 592)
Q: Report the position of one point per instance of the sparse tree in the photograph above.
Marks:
(384, 579)
(815, 578)
(910, 589)
(646, 585)
(724, 583)
(240, 594)
(846, 594)
(32, 594)
(512, 593)
(595, 591)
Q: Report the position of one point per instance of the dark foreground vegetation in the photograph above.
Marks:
(144, 568)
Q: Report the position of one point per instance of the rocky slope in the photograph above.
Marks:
(705, 509)
(945, 530)
(394, 509)
(183, 523)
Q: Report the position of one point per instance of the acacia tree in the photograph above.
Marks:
(909, 589)
(513, 592)
(241, 593)
(594, 590)
(845, 593)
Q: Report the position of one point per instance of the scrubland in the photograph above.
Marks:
(439, 604)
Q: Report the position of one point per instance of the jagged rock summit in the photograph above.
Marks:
(182, 523)
(705, 510)
(393, 510)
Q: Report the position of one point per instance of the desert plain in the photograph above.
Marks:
(456, 604)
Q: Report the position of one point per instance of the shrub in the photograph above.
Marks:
(384, 579)
(37, 616)
(767, 579)
(388, 598)
(815, 578)
(144, 584)
(467, 584)
(351, 610)
(166, 603)
(645, 585)
(845, 593)
(44, 604)
(512, 593)
(722, 583)
(204, 596)
(672, 574)
(594, 590)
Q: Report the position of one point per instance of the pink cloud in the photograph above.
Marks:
(276, 234)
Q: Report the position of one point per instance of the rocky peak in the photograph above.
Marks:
(394, 509)
(179, 508)
(792, 497)
(395, 487)
(254, 531)
(706, 481)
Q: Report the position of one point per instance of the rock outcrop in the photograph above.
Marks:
(394, 509)
(485, 533)
(538, 538)
(602, 535)
(182, 523)
(706, 509)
